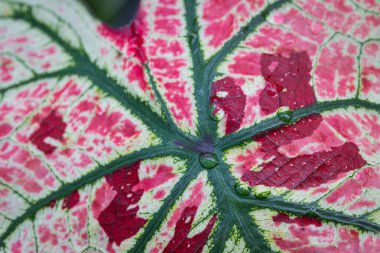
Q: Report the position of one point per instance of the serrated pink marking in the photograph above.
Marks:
(366, 204)
(370, 24)
(221, 30)
(167, 68)
(352, 130)
(222, 19)
(111, 124)
(5, 129)
(302, 237)
(136, 73)
(166, 11)
(370, 71)
(305, 26)
(167, 26)
(161, 46)
(338, 15)
(353, 188)
(340, 81)
(175, 92)
(27, 171)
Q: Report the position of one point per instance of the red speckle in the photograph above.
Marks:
(5, 129)
(159, 195)
(52, 126)
(180, 243)
(232, 103)
(119, 220)
(71, 200)
(288, 77)
(16, 247)
(300, 221)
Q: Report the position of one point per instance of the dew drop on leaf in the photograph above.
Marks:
(241, 189)
(208, 160)
(285, 116)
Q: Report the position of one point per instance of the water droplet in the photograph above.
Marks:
(208, 160)
(262, 194)
(285, 116)
(241, 189)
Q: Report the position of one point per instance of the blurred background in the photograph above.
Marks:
(115, 13)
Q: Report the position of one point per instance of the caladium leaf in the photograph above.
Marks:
(203, 126)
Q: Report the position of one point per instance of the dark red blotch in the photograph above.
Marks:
(119, 220)
(52, 126)
(300, 221)
(52, 203)
(287, 82)
(288, 85)
(303, 171)
(180, 243)
(233, 104)
(71, 200)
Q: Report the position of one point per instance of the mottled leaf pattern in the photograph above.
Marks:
(104, 131)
